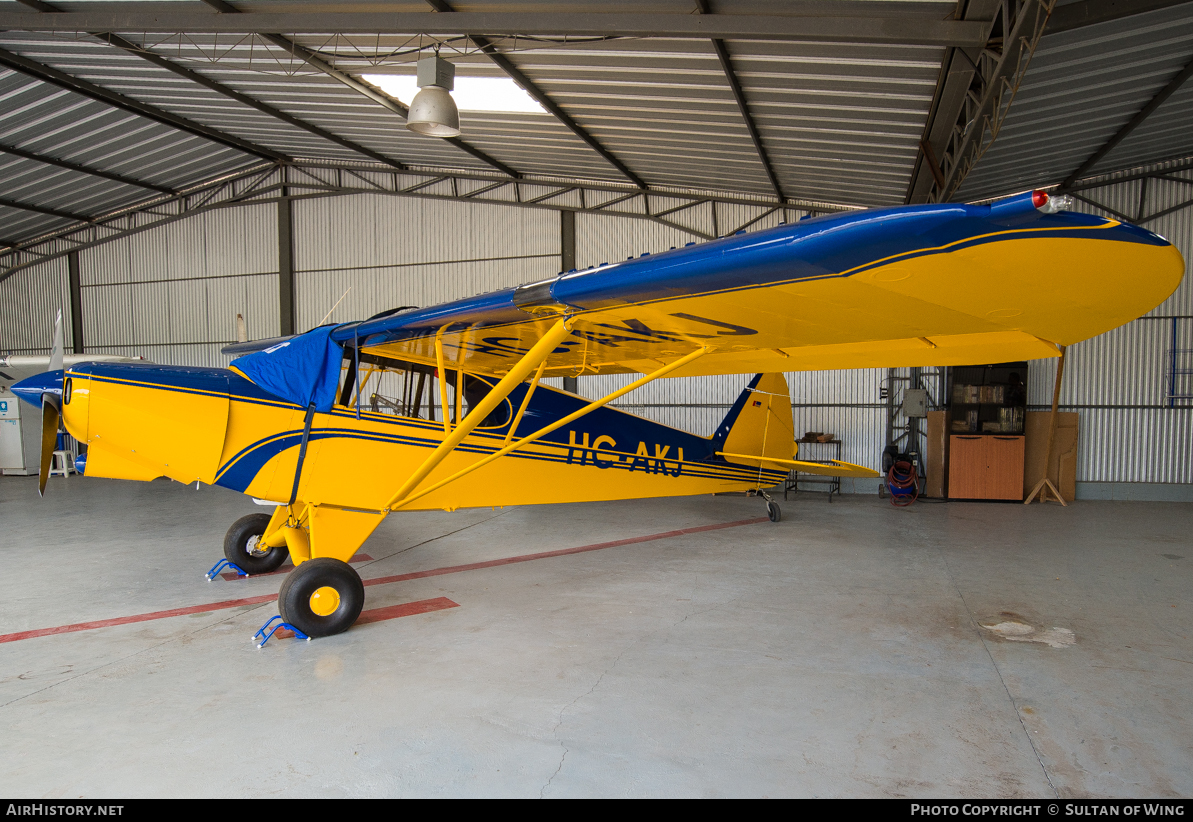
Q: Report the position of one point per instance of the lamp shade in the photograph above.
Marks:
(433, 112)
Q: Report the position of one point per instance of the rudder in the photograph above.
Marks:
(760, 421)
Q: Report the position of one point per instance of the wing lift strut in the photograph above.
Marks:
(325, 596)
(534, 359)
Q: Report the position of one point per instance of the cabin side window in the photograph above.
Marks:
(406, 389)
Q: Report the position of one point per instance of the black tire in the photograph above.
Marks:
(773, 512)
(294, 598)
(240, 546)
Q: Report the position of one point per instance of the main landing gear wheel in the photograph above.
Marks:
(321, 597)
(243, 546)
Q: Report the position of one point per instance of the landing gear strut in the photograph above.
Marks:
(772, 508)
(321, 597)
(243, 546)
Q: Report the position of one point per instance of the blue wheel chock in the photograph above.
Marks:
(221, 565)
(267, 637)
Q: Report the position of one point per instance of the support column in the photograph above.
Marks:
(76, 301)
(567, 257)
(286, 307)
(567, 240)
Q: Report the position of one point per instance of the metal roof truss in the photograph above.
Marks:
(692, 212)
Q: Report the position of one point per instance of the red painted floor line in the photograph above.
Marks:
(423, 606)
(397, 610)
(493, 563)
(286, 568)
(106, 623)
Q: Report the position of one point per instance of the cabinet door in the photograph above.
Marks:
(967, 467)
(1004, 473)
(11, 455)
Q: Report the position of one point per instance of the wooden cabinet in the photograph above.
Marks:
(986, 466)
(1004, 467)
(967, 467)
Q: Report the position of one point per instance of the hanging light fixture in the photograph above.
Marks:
(433, 112)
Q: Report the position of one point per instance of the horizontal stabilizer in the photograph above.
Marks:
(834, 468)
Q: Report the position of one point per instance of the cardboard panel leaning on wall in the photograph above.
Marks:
(1062, 468)
(172, 294)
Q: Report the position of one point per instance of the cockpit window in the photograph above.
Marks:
(406, 389)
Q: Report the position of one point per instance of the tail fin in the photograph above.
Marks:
(760, 421)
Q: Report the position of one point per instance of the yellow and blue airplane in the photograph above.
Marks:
(472, 423)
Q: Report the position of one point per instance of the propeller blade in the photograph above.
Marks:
(51, 415)
(56, 351)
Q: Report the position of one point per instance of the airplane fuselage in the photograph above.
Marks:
(141, 422)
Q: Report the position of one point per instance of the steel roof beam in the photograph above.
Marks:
(740, 96)
(219, 88)
(896, 29)
(1092, 12)
(316, 62)
(542, 98)
(948, 103)
(244, 99)
(958, 70)
(1023, 25)
(53, 76)
(1102, 180)
(82, 169)
(51, 212)
(1134, 123)
(550, 105)
(306, 179)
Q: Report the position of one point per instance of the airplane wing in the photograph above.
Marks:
(16, 367)
(943, 284)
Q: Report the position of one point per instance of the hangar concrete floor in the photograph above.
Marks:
(841, 652)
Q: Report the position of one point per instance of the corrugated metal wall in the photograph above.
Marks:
(172, 295)
(28, 304)
(393, 251)
(1116, 382)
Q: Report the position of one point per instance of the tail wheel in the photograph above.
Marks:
(773, 512)
(243, 546)
(321, 597)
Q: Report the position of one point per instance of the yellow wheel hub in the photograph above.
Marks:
(325, 600)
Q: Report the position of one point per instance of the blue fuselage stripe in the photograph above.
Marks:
(547, 405)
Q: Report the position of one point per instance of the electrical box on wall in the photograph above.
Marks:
(915, 402)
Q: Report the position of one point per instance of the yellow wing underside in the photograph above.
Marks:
(998, 302)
